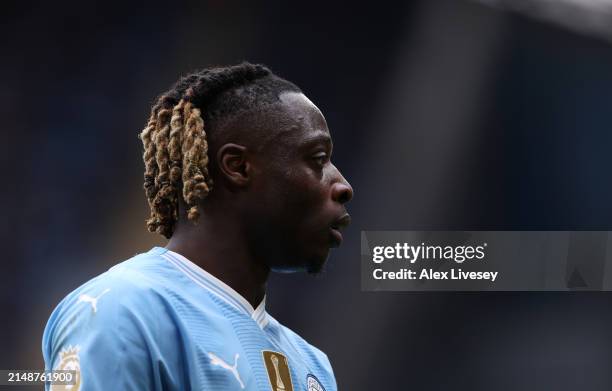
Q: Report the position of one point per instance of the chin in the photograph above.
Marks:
(316, 265)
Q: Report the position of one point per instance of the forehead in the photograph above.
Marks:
(298, 106)
(296, 120)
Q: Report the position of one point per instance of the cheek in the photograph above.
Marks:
(309, 215)
(306, 194)
(295, 195)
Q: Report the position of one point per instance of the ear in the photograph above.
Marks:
(234, 165)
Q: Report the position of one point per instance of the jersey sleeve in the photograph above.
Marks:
(109, 332)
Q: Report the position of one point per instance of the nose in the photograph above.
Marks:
(342, 191)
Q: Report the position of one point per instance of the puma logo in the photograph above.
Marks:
(93, 300)
(215, 360)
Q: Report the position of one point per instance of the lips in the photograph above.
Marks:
(338, 225)
(341, 222)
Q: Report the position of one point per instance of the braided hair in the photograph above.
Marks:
(175, 138)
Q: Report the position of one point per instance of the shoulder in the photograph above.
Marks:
(118, 328)
(127, 282)
(127, 298)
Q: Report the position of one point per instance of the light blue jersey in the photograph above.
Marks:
(159, 322)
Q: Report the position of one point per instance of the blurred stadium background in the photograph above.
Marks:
(445, 114)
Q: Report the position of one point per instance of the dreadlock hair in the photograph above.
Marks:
(175, 138)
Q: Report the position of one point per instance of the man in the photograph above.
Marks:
(239, 178)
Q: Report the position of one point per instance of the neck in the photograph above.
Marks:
(218, 247)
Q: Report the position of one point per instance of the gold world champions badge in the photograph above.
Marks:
(278, 370)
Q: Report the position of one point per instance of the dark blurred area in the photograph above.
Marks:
(445, 115)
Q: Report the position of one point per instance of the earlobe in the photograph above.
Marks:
(233, 164)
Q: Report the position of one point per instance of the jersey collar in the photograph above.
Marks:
(217, 287)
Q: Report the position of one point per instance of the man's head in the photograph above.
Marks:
(245, 142)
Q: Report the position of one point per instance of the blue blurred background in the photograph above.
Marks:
(446, 114)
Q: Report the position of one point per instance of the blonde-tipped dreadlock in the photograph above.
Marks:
(175, 139)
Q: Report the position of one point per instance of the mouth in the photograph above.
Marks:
(336, 227)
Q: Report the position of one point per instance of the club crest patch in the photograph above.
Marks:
(69, 361)
(277, 367)
(313, 383)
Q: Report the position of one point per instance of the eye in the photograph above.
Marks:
(321, 158)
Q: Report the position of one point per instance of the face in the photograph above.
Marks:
(298, 195)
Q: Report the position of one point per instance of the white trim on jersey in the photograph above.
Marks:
(217, 287)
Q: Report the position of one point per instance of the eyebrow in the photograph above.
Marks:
(319, 138)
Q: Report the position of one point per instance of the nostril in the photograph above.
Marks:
(343, 193)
